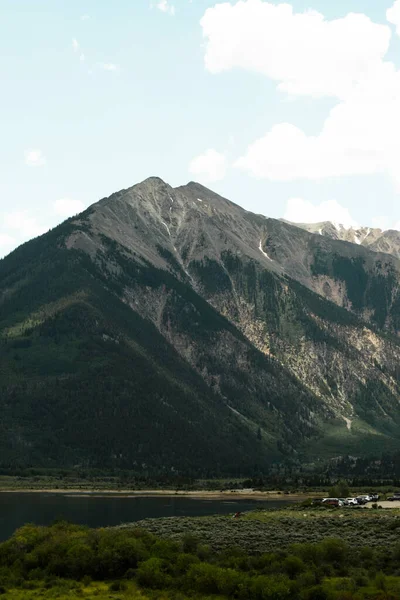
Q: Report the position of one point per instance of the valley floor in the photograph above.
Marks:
(295, 553)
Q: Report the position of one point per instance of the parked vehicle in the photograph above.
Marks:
(362, 499)
(352, 501)
(344, 501)
(332, 502)
(374, 497)
(395, 497)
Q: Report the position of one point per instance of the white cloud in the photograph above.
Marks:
(82, 57)
(309, 55)
(393, 15)
(109, 67)
(299, 210)
(85, 17)
(209, 166)
(35, 158)
(305, 53)
(361, 136)
(166, 7)
(67, 207)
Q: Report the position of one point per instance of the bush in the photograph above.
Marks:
(152, 574)
(315, 593)
(340, 490)
(334, 551)
(271, 588)
(190, 543)
(118, 586)
(293, 566)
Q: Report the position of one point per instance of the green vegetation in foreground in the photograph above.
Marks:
(263, 531)
(68, 561)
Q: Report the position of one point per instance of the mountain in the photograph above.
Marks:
(169, 330)
(375, 239)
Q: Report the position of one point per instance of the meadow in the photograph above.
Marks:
(291, 554)
(262, 531)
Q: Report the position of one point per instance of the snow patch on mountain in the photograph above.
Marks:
(262, 251)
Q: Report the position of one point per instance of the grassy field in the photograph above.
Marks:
(291, 554)
(263, 531)
(72, 590)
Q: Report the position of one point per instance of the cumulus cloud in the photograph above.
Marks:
(67, 207)
(166, 7)
(393, 15)
(305, 53)
(361, 136)
(299, 210)
(85, 17)
(34, 158)
(209, 166)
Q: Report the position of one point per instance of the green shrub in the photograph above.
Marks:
(293, 566)
(118, 586)
(184, 562)
(271, 588)
(315, 593)
(190, 543)
(152, 573)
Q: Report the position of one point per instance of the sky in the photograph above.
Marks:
(290, 109)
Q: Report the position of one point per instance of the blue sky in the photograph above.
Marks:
(98, 95)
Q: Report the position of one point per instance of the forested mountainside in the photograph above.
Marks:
(170, 330)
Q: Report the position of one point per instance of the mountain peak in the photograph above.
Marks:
(373, 238)
(153, 180)
(172, 318)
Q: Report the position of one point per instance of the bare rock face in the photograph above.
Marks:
(172, 318)
(375, 239)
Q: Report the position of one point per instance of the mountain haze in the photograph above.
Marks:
(169, 329)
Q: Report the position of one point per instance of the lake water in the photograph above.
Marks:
(93, 510)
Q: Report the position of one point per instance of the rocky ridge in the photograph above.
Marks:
(174, 309)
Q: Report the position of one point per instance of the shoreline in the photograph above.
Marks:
(196, 494)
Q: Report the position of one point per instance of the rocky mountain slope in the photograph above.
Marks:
(169, 329)
(375, 239)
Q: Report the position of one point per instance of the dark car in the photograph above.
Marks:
(394, 498)
(362, 500)
(374, 497)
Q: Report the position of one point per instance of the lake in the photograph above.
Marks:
(99, 510)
